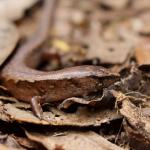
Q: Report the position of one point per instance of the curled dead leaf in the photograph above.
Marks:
(9, 37)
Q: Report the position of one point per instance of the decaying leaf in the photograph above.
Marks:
(133, 80)
(114, 34)
(108, 51)
(138, 123)
(8, 39)
(83, 117)
(105, 101)
(109, 48)
(73, 141)
(13, 10)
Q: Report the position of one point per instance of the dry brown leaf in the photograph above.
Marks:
(135, 117)
(73, 141)
(137, 125)
(110, 52)
(105, 101)
(8, 39)
(114, 45)
(83, 117)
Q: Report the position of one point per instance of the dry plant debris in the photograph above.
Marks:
(73, 141)
(112, 110)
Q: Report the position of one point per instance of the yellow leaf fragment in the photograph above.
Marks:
(61, 45)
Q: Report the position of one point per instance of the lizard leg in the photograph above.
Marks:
(36, 107)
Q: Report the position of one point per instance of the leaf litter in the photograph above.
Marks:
(89, 33)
